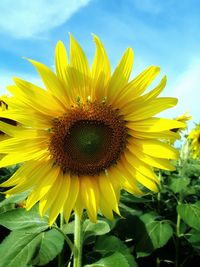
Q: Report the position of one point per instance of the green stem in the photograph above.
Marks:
(69, 242)
(178, 233)
(60, 256)
(77, 241)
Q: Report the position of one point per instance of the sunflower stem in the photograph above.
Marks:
(60, 256)
(77, 241)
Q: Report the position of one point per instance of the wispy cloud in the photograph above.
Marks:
(23, 19)
(186, 88)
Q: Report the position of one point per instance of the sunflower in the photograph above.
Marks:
(183, 118)
(3, 107)
(87, 135)
(194, 141)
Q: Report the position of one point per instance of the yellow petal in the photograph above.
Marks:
(36, 97)
(105, 208)
(155, 125)
(60, 199)
(108, 192)
(20, 115)
(137, 86)
(79, 62)
(140, 166)
(52, 83)
(168, 135)
(90, 196)
(100, 71)
(120, 76)
(29, 178)
(47, 200)
(44, 186)
(15, 158)
(120, 174)
(61, 60)
(18, 175)
(13, 145)
(156, 148)
(155, 162)
(148, 110)
(72, 197)
(139, 171)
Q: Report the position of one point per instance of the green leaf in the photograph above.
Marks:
(107, 244)
(14, 199)
(51, 245)
(126, 197)
(21, 248)
(68, 228)
(18, 248)
(20, 219)
(193, 238)
(116, 259)
(94, 229)
(179, 184)
(155, 235)
(190, 214)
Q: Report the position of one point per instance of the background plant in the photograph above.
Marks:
(156, 230)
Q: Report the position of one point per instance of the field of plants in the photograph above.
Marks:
(157, 230)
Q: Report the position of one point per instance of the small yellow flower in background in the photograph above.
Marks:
(3, 107)
(183, 118)
(194, 141)
(87, 135)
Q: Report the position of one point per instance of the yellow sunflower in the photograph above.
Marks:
(194, 141)
(3, 107)
(183, 118)
(87, 135)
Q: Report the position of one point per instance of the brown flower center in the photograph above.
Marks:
(88, 139)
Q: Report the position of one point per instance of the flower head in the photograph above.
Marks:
(87, 135)
(183, 118)
(3, 107)
(194, 141)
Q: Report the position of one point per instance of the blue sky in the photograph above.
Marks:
(164, 33)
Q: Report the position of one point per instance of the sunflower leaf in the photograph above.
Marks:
(94, 229)
(51, 245)
(155, 234)
(107, 244)
(18, 248)
(178, 185)
(14, 199)
(23, 248)
(20, 219)
(117, 259)
(190, 214)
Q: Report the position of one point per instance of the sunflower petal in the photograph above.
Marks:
(120, 76)
(72, 198)
(60, 199)
(100, 70)
(136, 87)
(51, 82)
(108, 192)
(155, 125)
(78, 61)
(43, 187)
(150, 109)
(156, 149)
(90, 196)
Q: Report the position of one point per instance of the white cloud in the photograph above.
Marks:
(23, 19)
(187, 89)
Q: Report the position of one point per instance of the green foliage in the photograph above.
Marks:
(155, 230)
